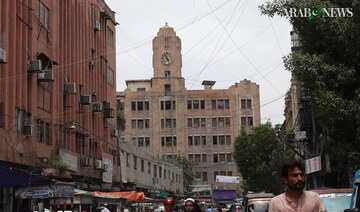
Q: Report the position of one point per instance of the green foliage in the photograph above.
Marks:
(329, 67)
(57, 163)
(258, 155)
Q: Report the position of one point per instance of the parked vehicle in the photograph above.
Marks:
(335, 200)
(257, 202)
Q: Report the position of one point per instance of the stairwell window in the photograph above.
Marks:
(43, 14)
(167, 90)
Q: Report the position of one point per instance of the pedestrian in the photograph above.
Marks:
(295, 197)
(191, 205)
(104, 208)
(169, 204)
(209, 209)
(25, 206)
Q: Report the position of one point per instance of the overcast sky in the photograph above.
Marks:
(222, 40)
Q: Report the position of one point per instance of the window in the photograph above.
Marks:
(167, 90)
(189, 105)
(203, 140)
(250, 121)
(93, 147)
(203, 122)
(43, 14)
(80, 143)
(141, 141)
(214, 140)
(155, 171)
(140, 89)
(196, 104)
(146, 105)
(133, 106)
(243, 103)
(215, 158)
(222, 157)
(198, 175)
(227, 121)
(243, 121)
(197, 140)
(135, 162)
(223, 173)
(220, 104)
(133, 123)
(196, 122)
(147, 141)
(149, 168)
(142, 166)
(110, 76)
(167, 73)
(229, 173)
(167, 105)
(213, 104)
(215, 173)
(221, 121)
(228, 140)
(202, 104)
(204, 176)
(147, 123)
(214, 122)
(43, 132)
(140, 124)
(203, 158)
(140, 106)
(191, 156)
(227, 104)
(249, 103)
(197, 158)
(228, 157)
(221, 140)
(189, 122)
(110, 35)
(190, 140)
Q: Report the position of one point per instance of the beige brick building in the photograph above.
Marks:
(163, 117)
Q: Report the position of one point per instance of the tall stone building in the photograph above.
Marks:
(163, 117)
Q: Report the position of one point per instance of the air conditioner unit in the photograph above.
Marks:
(97, 26)
(99, 164)
(35, 65)
(28, 130)
(97, 107)
(85, 99)
(2, 55)
(115, 132)
(109, 113)
(46, 75)
(107, 105)
(70, 88)
(85, 161)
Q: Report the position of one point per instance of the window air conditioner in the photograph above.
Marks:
(28, 130)
(107, 105)
(109, 113)
(85, 161)
(97, 107)
(70, 88)
(99, 164)
(35, 65)
(85, 99)
(46, 75)
(2, 55)
(115, 132)
(97, 26)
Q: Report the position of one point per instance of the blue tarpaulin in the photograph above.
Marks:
(11, 177)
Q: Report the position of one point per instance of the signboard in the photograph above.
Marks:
(227, 179)
(44, 192)
(224, 195)
(70, 160)
(313, 164)
(108, 163)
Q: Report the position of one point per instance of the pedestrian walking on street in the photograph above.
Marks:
(295, 197)
(191, 205)
(169, 204)
(104, 208)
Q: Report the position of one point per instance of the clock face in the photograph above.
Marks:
(167, 58)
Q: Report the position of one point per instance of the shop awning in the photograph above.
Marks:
(132, 196)
(11, 177)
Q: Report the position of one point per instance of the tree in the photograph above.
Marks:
(329, 67)
(258, 156)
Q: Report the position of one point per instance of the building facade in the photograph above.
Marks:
(57, 88)
(163, 117)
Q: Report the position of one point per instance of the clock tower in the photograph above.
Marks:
(167, 54)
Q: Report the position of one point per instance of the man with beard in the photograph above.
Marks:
(295, 197)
